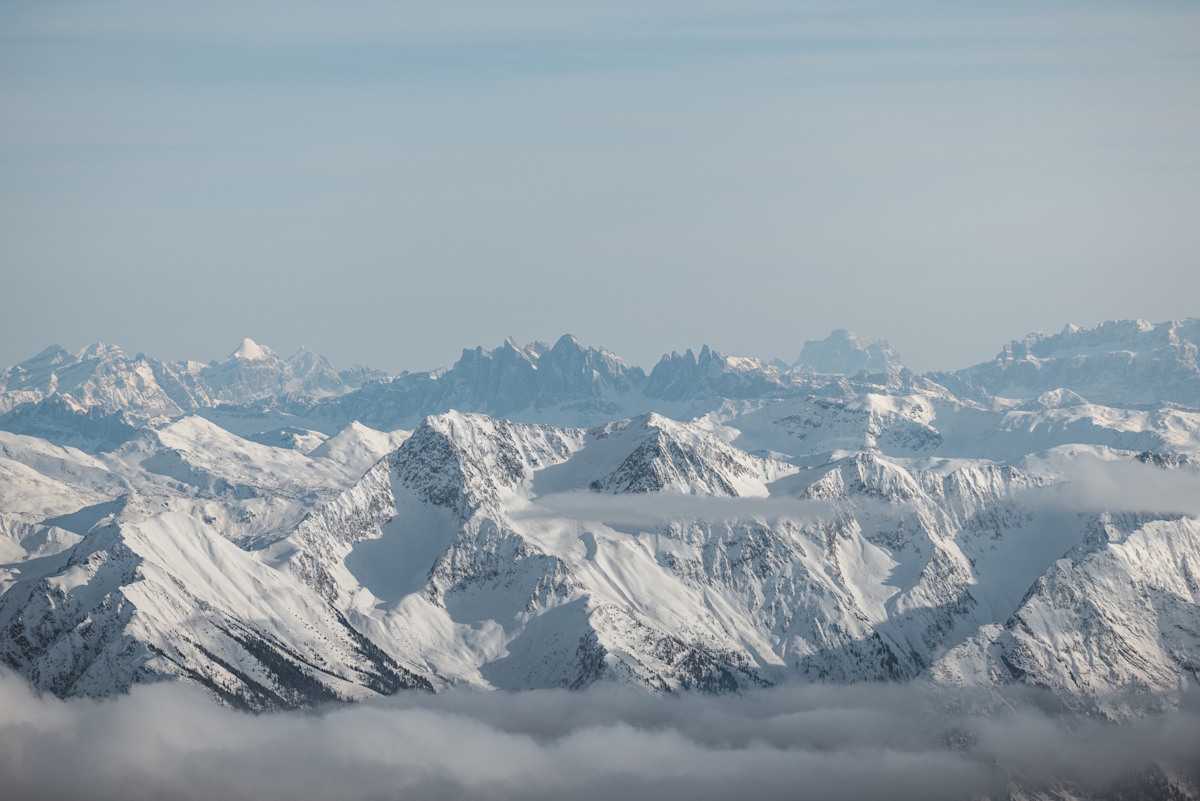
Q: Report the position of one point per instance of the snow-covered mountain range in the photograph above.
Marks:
(55, 387)
(550, 516)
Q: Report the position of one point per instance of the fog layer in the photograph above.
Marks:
(172, 741)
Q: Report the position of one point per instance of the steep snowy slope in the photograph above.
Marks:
(1120, 614)
(398, 550)
(647, 551)
(119, 568)
(167, 597)
(473, 552)
(471, 593)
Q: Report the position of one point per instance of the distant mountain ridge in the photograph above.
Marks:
(843, 353)
(104, 392)
(103, 383)
(105, 377)
(1117, 363)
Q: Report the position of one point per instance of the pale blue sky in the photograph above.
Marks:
(390, 182)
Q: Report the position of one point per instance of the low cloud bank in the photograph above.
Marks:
(1091, 484)
(171, 741)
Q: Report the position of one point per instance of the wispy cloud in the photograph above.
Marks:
(1090, 484)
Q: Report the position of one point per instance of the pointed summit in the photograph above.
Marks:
(569, 341)
(101, 350)
(251, 351)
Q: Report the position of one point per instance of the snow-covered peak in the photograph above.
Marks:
(256, 373)
(653, 453)
(251, 351)
(866, 475)
(99, 376)
(747, 364)
(305, 361)
(101, 351)
(1055, 399)
(674, 456)
(357, 447)
(463, 461)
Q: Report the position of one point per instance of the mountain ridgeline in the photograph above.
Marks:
(284, 534)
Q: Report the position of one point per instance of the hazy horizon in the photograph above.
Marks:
(390, 184)
(286, 352)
